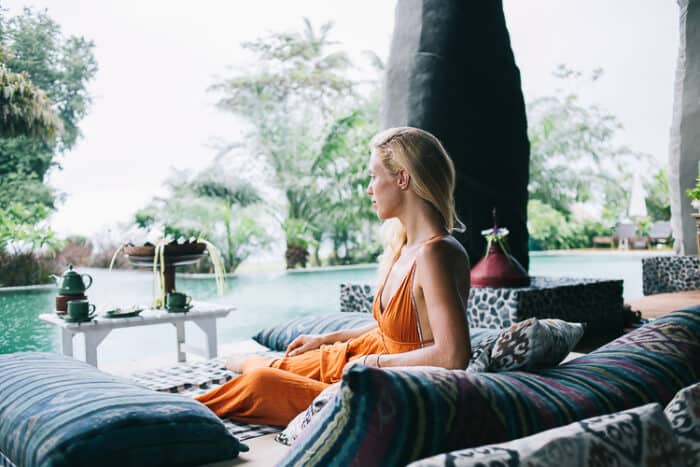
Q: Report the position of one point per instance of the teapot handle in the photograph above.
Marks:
(89, 282)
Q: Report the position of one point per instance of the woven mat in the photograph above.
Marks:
(193, 379)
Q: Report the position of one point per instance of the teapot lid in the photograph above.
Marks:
(70, 272)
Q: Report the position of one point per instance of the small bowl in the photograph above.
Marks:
(170, 249)
(62, 302)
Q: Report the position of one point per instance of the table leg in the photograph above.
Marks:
(66, 342)
(208, 326)
(180, 336)
(92, 340)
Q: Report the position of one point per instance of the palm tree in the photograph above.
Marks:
(231, 192)
(289, 100)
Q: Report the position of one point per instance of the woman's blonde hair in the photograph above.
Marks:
(432, 178)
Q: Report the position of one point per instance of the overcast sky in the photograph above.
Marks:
(156, 59)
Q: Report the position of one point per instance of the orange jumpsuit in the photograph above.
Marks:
(273, 391)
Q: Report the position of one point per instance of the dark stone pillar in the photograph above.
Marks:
(451, 71)
(685, 127)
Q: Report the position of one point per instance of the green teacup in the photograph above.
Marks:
(80, 309)
(178, 301)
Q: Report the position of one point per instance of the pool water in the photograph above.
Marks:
(261, 299)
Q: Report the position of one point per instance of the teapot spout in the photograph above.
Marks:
(56, 279)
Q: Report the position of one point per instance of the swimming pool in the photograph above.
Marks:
(261, 299)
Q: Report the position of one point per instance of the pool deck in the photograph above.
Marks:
(654, 306)
(604, 252)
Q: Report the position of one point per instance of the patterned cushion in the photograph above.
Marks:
(280, 336)
(684, 414)
(296, 426)
(61, 412)
(639, 436)
(396, 416)
(527, 345)
(480, 359)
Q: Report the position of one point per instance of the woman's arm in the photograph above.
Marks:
(307, 342)
(347, 334)
(442, 283)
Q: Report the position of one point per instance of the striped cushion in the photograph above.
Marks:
(280, 336)
(395, 416)
(56, 411)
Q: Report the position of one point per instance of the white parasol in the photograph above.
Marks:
(638, 207)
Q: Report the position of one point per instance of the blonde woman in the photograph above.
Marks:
(419, 308)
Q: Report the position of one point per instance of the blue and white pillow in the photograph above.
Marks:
(280, 336)
(56, 411)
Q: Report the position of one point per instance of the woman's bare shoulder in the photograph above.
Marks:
(444, 251)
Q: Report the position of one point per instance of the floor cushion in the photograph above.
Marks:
(634, 437)
(57, 411)
(394, 416)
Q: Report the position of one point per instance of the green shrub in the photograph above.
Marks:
(551, 230)
(26, 269)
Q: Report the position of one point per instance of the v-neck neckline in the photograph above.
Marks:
(398, 289)
(410, 269)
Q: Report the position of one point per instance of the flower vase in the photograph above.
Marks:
(498, 269)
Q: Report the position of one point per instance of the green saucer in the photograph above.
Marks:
(183, 309)
(68, 319)
(123, 312)
(122, 315)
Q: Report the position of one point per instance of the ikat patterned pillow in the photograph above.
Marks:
(684, 414)
(527, 345)
(639, 436)
(301, 421)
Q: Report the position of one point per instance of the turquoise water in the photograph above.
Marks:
(261, 299)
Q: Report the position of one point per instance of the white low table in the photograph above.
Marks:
(204, 315)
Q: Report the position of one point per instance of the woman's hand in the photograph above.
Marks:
(304, 343)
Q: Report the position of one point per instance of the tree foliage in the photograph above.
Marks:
(307, 120)
(573, 153)
(43, 97)
(22, 225)
(58, 65)
(658, 196)
(213, 204)
(24, 108)
(574, 158)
